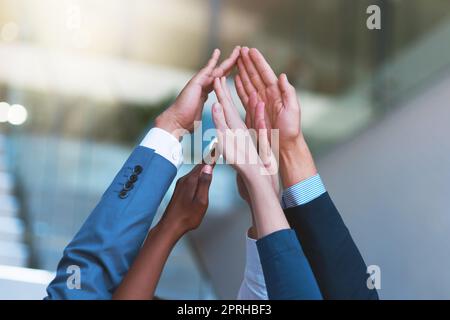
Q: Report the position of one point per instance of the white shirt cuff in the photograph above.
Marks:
(253, 286)
(164, 144)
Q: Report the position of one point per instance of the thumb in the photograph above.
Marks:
(288, 91)
(204, 182)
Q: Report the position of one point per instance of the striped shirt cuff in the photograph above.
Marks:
(303, 192)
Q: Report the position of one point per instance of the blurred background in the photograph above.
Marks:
(82, 80)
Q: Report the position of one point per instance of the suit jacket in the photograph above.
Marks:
(337, 264)
(112, 235)
(287, 273)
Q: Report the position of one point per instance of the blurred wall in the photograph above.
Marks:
(392, 186)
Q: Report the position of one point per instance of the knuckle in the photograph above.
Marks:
(191, 179)
(203, 202)
(195, 223)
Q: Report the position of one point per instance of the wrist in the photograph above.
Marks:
(296, 162)
(167, 122)
(171, 229)
(251, 173)
(256, 178)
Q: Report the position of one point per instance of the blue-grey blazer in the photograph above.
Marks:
(107, 243)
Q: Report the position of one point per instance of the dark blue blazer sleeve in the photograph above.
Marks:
(337, 264)
(286, 270)
(110, 238)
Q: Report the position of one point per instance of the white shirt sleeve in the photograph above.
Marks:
(253, 286)
(164, 144)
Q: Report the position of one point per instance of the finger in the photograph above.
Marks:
(222, 97)
(263, 67)
(248, 122)
(259, 112)
(212, 63)
(240, 90)
(190, 179)
(288, 91)
(193, 172)
(253, 101)
(253, 73)
(264, 151)
(263, 141)
(260, 123)
(204, 182)
(232, 116)
(226, 89)
(248, 85)
(219, 117)
(251, 115)
(221, 126)
(219, 91)
(226, 66)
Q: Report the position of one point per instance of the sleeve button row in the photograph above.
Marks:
(130, 183)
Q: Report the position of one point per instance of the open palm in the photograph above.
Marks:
(188, 106)
(256, 77)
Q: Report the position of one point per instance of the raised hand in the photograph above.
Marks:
(235, 144)
(179, 118)
(189, 201)
(282, 110)
(185, 211)
(255, 118)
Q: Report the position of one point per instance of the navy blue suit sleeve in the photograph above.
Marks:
(109, 240)
(338, 266)
(286, 270)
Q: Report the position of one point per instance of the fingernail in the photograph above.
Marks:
(207, 169)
